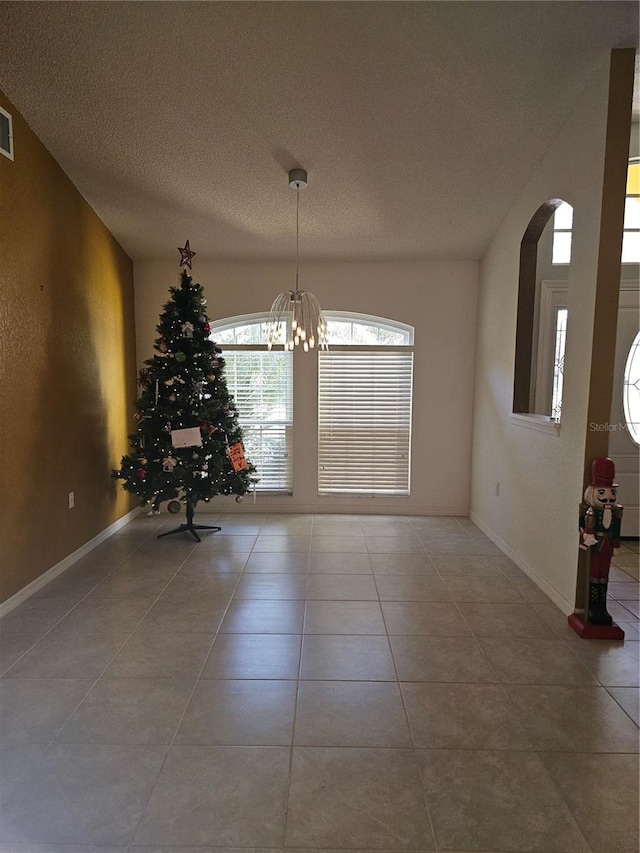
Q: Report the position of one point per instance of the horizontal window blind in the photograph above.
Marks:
(261, 383)
(364, 422)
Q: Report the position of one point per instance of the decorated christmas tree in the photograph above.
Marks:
(188, 444)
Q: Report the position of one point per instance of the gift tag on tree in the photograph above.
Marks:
(189, 437)
(236, 455)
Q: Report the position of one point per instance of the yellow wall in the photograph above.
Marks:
(67, 364)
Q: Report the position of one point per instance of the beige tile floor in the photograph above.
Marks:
(314, 683)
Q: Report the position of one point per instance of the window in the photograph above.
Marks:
(365, 384)
(631, 390)
(552, 339)
(562, 225)
(560, 343)
(261, 382)
(631, 236)
(6, 134)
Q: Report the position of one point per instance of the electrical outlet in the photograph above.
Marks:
(72, 500)
(498, 490)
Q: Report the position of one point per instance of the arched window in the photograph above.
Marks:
(261, 382)
(365, 384)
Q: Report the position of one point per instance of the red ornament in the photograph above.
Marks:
(143, 377)
(207, 329)
(185, 255)
(142, 474)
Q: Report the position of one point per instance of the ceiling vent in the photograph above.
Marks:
(6, 134)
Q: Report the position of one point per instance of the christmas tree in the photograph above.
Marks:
(188, 444)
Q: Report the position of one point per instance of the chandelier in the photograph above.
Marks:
(296, 315)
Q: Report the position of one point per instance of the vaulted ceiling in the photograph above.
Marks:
(418, 122)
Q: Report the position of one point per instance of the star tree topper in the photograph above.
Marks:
(185, 255)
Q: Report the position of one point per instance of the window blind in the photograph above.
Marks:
(364, 422)
(261, 383)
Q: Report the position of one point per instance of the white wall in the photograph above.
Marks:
(535, 517)
(438, 298)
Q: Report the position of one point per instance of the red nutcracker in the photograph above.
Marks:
(600, 519)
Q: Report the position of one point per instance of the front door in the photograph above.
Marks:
(623, 448)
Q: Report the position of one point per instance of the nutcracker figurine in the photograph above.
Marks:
(600, 518)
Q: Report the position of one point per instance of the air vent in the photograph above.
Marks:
(6, 134)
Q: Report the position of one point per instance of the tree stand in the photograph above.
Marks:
(190, 527)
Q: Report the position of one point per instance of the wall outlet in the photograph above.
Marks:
(497, 490)
(72, 500)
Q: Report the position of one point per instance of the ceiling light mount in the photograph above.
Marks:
(298, 179)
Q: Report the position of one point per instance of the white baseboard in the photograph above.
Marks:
(64, 564)
(551, 592)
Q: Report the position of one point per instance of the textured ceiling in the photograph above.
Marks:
(418, 122)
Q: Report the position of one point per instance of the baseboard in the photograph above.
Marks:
(64, 564)
(551, 592)
(279, 505)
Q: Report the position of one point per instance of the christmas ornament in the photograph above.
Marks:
(143, 377)
(206, 329)
(236, 455)
(238, 499)
(189, 437)
(162, 345)
(180, 356)
(141, 473)
(173, 507)
(168, 464)
(186, 255)
(187, 330)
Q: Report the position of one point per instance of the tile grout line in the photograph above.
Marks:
(408, 724)
(52, 742)
(184, 710)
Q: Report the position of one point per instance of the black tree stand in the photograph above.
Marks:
(190, 527)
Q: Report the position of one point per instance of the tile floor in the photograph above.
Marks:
(301, 683)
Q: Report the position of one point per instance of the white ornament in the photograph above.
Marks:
(168, 464)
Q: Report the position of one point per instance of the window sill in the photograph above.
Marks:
(541, 423)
